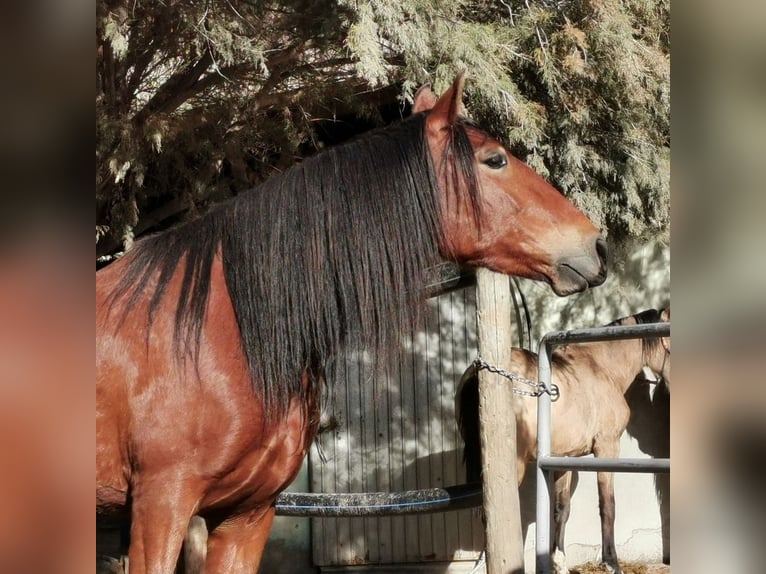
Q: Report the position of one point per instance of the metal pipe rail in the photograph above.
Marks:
(657, 465)
(547, 463)
(379, 503)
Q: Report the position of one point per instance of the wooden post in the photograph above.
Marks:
(505, 545)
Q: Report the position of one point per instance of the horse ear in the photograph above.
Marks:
(424, 100)
(449, 106)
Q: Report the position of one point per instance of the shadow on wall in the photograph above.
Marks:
(396, 431)
(649, 424)
(425, 538)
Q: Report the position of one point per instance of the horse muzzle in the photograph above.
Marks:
(575, 273)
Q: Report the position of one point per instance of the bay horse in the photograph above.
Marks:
(589, 416)
(211, 338)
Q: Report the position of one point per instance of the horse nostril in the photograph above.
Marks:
(602, 250)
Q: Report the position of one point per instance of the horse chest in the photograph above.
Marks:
(263, 463)
(583, 414)
(113, 362)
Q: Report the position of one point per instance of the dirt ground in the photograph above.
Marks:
(627, 568)
(113, 566)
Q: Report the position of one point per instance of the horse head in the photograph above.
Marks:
(517, 224)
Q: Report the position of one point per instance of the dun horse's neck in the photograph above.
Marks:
(617, 361)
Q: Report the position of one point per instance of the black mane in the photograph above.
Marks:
(649, 345)
(330, 255)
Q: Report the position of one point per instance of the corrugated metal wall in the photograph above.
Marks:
(397, 432)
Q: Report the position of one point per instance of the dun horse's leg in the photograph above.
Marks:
(562, 498)
(610, 449)
(236, 545)
(662, 485)
(160, 513)
(195, 547)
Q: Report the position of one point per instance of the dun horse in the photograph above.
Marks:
(589, 416)
(212, 337)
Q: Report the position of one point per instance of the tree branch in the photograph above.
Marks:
(179, 88)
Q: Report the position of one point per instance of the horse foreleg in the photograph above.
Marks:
(236, 545)
(610, 449)
(160, 514)
(562, 497)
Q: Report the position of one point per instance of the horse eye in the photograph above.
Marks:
(496, 161)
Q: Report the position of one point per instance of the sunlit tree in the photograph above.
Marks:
(197, 101)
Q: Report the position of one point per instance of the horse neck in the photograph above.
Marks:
(619, 361)
(656, 357)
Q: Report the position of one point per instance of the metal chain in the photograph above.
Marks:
(539, 387)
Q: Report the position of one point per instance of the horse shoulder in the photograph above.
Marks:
(582, 410)
(267, 460)
(524, 363)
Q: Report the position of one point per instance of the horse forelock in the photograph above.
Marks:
(327, 257)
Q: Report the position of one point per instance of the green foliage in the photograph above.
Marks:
(197, 101)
